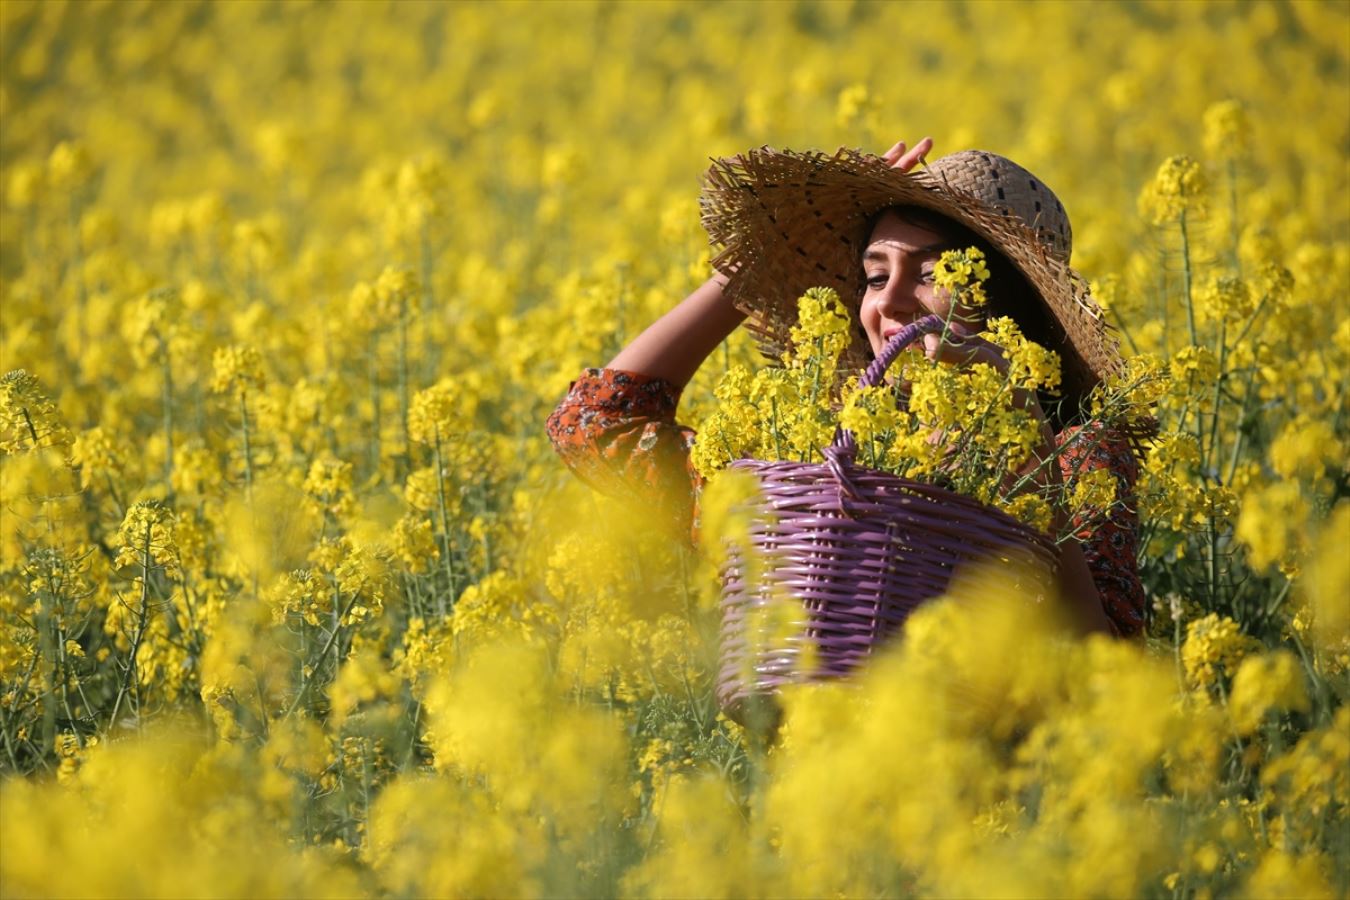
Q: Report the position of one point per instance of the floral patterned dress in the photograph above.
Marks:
(617, 431)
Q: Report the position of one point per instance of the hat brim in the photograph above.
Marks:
(781, 221)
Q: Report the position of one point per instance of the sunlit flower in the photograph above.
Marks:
(1228, 131)
(1180, 187)
(1270, 682)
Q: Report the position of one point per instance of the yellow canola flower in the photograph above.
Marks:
(1272, 523)
(781, 413)
(329, 484)
(422, 490)
(451, 142)
(1214, 648)
(362, 575)
(436, 836)
(414, 544)
(856, 109)
(962, 273)
(872, 415)
(27, 183)
(1225, 298)
(363, 678)
(301, 592)
(237, 370)
(171, 787)
(822, 328)
(396, 288)
(1093, 494)
(1265, 683)
(1194, 370)
(28, 418)
(497, 607)
(99, 455)
(1179, 187)
(70, 166)
(1326, 583)
(499, 716)
(146, 537)
(701, 847)
(1227, 131)
(1282, 874)
(1305, 447)
(1030, 366)
(440, 414)
(1314, 776)
(1131, 394)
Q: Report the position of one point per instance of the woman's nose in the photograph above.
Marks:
(898, 297)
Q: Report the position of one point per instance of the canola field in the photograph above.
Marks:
(296, 600)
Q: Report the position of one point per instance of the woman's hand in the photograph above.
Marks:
(902, 158)
(961, 346)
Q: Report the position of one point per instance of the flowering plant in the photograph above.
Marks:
(976, 428)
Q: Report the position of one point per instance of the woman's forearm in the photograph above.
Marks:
(1079, 592)
(675, 345)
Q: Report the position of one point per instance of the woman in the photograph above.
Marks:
(865, 226)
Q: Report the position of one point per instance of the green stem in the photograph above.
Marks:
(428, 304)
(1186, 278)
(1233, 215)
(451, 586)
(45, 641)
(773, 421)
(32, 430)
(318, 662)
(143, 615)
(1163, 302)
(1208, 453)
(167, 401)
(1190, 315)
(403, 371)
(374, 372)
(248, 446)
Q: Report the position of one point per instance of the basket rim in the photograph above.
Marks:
(814, 473)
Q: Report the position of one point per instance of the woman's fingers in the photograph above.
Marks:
(961, 347)
(901, 157)
(907, 159)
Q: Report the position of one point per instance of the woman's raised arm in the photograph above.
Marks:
(675, 345)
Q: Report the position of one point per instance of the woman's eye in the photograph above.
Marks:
(878, 280)
(926, 276)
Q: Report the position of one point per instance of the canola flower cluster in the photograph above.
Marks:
(292, 585)
(972, 429)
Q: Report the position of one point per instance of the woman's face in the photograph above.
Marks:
(898, 267)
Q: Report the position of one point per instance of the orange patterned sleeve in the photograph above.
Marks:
(617, 431)
(1110, 544)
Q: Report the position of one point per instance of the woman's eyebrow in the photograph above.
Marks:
(929, 250)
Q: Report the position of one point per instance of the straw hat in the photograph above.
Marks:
(781, 221)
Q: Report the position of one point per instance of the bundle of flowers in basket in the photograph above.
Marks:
(862, 510)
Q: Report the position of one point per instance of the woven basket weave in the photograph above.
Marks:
(839, 556)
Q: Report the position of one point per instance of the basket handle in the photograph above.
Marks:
(839, 456)
(930, 324)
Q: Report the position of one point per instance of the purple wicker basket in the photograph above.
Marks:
(838, 557)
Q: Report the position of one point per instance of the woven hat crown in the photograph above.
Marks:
(1004, 186)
